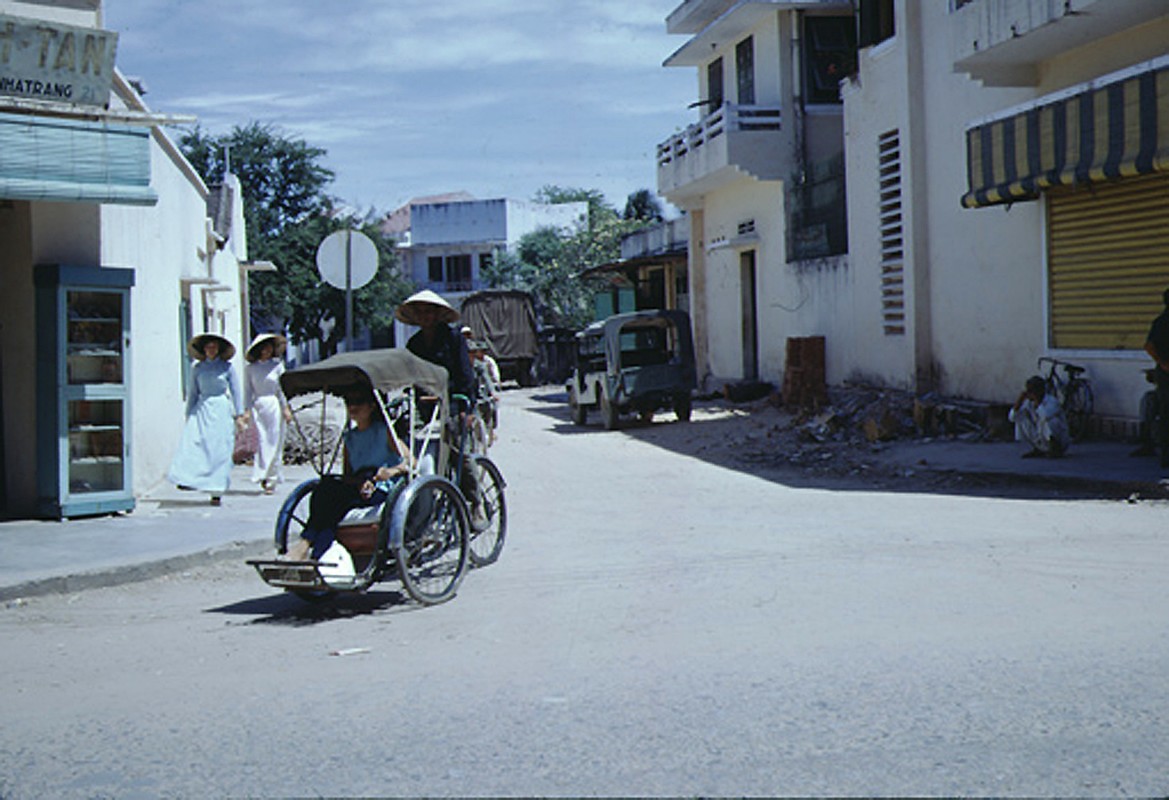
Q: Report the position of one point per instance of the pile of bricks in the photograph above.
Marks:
(804, 384)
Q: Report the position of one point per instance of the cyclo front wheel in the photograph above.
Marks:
(1079, 407)
(432, 551)
(290, 523)
(488, 513)
(293, 516)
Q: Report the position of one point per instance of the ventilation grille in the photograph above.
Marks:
(892, 241)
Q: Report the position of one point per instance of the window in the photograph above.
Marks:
(458, 272)
(486, 260)
(714, 85)
(745, 71)
(434, 269)
(892, 234)
(876, 22)
(829, 57)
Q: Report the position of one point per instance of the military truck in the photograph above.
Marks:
(506, 320)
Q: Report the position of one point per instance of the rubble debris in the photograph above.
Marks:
(746, 391)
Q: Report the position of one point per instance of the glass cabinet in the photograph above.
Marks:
(83, 442)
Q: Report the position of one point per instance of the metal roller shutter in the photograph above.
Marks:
(1108, 262)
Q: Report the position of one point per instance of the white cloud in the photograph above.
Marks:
(414, 97)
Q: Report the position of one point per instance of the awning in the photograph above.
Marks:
(70, 160)
(1116, 127)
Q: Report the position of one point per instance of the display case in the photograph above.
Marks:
(83, 397)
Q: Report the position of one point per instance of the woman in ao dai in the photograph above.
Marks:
(267, 406)
(214, 409)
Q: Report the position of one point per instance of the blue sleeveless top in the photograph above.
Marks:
(370, 448)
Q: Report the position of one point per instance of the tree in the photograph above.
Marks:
(644, 205)
(288, 213)
(552, 263)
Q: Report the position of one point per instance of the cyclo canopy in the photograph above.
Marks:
(386, 370)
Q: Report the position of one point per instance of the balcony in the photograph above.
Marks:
(1004, 42)
(728, 143)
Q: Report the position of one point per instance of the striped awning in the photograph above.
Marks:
(1112, 129)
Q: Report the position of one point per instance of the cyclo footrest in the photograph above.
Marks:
(290, 574)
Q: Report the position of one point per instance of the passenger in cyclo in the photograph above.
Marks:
(372, 462)
(1040, 421)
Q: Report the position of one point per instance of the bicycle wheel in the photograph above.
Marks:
(290, 522)
(432, 556)
(488, 513)
(1079, 406)
(293, 516)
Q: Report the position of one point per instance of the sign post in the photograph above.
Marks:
(347, 260)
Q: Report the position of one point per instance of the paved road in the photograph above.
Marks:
(657, 625)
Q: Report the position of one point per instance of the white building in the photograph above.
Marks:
(93, 190)
(451, 239)
(1007, 194)
(1007, 191)
(760, 173)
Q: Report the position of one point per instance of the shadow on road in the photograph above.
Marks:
(286, 608)
(765, 451)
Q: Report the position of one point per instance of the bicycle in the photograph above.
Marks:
(1073, 391)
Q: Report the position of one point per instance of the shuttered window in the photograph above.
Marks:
(1108, 262)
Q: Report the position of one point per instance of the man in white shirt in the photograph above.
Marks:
(1040, 421)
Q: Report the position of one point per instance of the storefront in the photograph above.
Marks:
(103, 233)
(1098, 155)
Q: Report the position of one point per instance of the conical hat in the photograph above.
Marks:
(279, 343)
(407, 312)
(195, 346)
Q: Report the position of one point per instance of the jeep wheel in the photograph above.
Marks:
(608, 412)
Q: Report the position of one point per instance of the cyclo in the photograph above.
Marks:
(428, 530)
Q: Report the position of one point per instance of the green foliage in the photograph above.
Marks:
(288, 214)
(644, 205)
(551, 263)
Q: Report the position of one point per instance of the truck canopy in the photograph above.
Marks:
(506, 320)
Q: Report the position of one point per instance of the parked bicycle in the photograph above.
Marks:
(1073, 391)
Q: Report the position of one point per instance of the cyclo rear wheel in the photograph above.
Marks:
(432, 553)
(488, 513)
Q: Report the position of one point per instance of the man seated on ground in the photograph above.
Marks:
(1040, 421)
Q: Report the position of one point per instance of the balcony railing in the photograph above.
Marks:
(730, 117)
(1004, 42)
(731, 141)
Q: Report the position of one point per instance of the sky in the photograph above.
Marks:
(419, 97)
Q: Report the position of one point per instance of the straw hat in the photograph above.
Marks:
(407, 312)
(195, 346)
(279, 343)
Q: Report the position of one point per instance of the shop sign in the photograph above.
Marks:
(48, 61)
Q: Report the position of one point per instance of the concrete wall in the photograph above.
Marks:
(164, 244)
(975, 279)
(724, 210)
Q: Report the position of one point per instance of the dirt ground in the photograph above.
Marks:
(844, 444)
